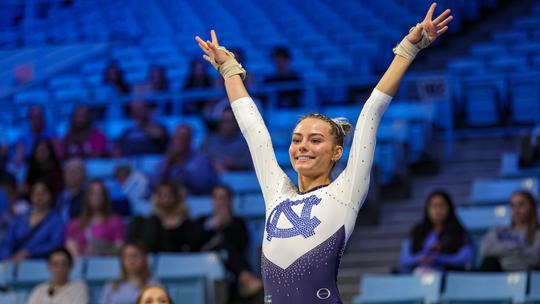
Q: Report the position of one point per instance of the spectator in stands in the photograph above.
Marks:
(157, 79)
(154, 294)
(439, 242)
(60, 290)
(135, 274)
(146, 137)
(198, 78)
(194, 170)
(37, 131)
(114, 76)
(284, 74)
(70, 201)
(14, 204)
(97, 231)
(82, 138)
(517, 247)
(135, 184)
(169, 228)
(44, 165)
(225, 232)
(37, 233)
(227, 147)
(529, 149)
(157, 82)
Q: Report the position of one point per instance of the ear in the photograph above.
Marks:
(338, 152)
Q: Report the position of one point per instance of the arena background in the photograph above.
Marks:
(459, 122)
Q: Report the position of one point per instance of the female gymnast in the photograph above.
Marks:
(308, 226)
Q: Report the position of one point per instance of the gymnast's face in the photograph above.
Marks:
(313, 149)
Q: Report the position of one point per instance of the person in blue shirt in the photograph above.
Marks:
(36, 234)
(439, 242)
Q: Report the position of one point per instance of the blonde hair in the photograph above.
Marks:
(147, 287)
(339, 127)
(143, 277)
(179, 197)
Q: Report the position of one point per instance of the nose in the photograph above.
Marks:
(302, 146)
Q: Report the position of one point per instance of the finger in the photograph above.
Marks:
(207, 58)
(201, 42)
(431, 10)
(205, 49)
(214, 37)
(442, 31)
(441, 16)
(445, 22)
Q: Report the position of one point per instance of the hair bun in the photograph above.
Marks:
(344, 125)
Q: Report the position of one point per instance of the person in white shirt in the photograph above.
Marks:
(307, 226)
(60, 290)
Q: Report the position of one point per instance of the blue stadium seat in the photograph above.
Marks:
(496, 191)
(11, 298)
(199, 206)
(482, 100)
(480, 219)
(103, 168)
(400, 289)
(7, 272)
(33, 96)
(524, 95)
(241, 182)
(250, 206)
(99, 271)
(463, 287)
(534, 287)
(188, 275)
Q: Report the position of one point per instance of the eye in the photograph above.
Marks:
(316, 141)
(295, 141)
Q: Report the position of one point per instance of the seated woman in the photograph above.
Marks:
(516, 247)
(60, 290)
(169, 229)
(97, 231)
(37, 233)
(135, 275)
(439, 242)
(225, 232)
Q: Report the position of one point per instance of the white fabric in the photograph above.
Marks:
(73, 292)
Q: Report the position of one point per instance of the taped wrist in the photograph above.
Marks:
(230, 67)
(408, 50)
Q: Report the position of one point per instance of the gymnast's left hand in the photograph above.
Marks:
(434, 28)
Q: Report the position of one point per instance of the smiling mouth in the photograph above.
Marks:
(304, 158)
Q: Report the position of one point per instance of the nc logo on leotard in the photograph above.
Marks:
(302, 224)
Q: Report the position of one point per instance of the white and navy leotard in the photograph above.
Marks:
(306, 233)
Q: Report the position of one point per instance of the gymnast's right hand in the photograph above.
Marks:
(220, 57)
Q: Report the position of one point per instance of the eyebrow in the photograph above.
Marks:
(311, 134)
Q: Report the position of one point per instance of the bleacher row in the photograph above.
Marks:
(454, 287)
(189, 277)
(499, 81)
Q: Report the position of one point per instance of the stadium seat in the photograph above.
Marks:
(524, 95)
(497, 191)
(187, 275)
(11, 298)
(99, 271)
(241, 182)
(199, 205)
(534, 288)
(479, 219)
(463, 287)
(482, 100)
(7, 272)
(420, 289)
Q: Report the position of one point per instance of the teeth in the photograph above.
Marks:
(304, 158)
